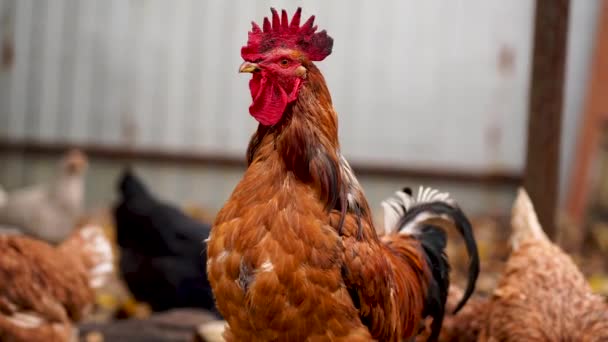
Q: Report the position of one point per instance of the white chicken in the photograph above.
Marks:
(48, 211)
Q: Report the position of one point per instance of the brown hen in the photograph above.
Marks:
(293, 254)
(542, 295)
(44, 289)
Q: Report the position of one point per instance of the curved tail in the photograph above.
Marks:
(422, 216)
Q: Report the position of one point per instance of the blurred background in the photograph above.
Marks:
(428, 92)
(424, 89)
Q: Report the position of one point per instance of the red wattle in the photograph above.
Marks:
(270, 99)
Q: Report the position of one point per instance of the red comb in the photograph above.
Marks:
(281, 33)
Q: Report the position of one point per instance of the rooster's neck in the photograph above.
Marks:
(308, 126)
(305, 140)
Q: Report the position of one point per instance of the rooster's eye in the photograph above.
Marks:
(284, 62)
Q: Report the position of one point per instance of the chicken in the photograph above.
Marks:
(542, 295)
(44, 289)
(49, 211)
(161, 250)
(293, 255)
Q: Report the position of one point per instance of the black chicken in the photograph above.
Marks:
(162, 255)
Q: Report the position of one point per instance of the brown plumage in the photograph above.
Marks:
(293, 254)
(43, 289)
(542, 295)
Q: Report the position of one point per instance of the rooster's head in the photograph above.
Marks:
(278, 55)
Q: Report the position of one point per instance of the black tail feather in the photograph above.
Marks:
(462, 224)
(434, 240)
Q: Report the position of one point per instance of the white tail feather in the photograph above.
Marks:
(524, 222)
(96, 251)
(101, 252)
(395, 207)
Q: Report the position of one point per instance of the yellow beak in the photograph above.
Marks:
(248, 67)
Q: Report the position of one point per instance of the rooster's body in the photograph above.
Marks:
(293, 255)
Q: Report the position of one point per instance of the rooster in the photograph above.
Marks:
(44, 289)
(541, 295)
(293, 255)
(48, 211)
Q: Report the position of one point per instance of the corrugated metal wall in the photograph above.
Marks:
(423, 83)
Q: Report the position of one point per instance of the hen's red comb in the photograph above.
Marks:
(281, 33)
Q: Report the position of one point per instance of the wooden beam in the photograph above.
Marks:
(594, 115)
(127, 155)
(545, 117)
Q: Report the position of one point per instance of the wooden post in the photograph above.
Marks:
(595, 113)
(545, 117)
